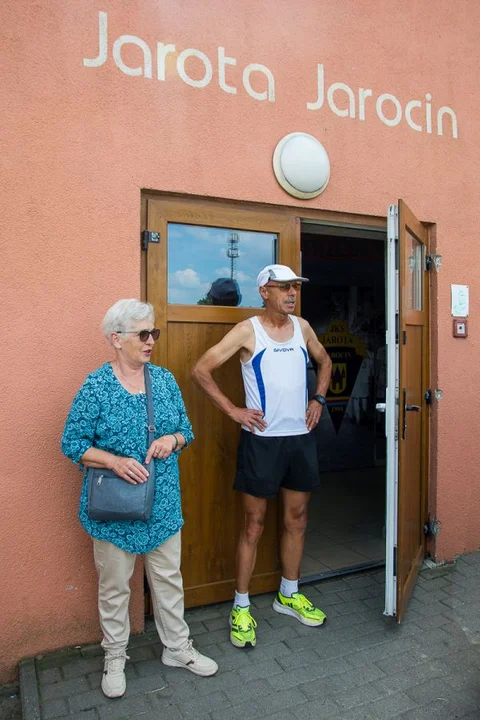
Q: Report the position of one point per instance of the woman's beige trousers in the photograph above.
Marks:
(115, 568)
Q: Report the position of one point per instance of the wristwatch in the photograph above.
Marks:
(320, 399)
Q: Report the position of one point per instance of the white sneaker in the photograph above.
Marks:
(114, 683)
(190, 659)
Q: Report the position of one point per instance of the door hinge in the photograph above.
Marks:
(428, 397)
(432, 527)
(395, 555)
(433, 262)
(149, 237)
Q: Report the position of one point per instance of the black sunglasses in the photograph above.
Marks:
(143, 334)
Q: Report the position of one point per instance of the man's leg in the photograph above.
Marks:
(289, 601)
(241, 622)
(295, 516)
(254, 510)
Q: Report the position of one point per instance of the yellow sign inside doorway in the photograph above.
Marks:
(346, 351)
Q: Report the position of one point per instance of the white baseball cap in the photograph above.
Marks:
(280, 273)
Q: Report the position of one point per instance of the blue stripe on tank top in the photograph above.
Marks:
(306, 374)
(258, 374)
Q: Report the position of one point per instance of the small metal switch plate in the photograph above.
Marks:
(460, 328)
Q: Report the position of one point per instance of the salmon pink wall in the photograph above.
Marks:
(80, 142)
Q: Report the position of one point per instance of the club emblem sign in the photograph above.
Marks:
(346, 351)
(338, 382)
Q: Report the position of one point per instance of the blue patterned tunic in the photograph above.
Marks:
(106, 416)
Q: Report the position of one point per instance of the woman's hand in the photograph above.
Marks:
(162, 447)
(130, 470)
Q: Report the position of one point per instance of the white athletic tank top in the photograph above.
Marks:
(275, 380)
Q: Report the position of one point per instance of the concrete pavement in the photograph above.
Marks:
(359, 666)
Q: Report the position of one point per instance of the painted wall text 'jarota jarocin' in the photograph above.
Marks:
(341, 99)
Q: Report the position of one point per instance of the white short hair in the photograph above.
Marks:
(124, 313)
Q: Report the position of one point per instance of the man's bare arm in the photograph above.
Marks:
(319, 354)
(239, 337)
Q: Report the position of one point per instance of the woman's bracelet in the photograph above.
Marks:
(176, 442)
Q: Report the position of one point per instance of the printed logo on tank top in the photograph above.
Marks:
(283, 349)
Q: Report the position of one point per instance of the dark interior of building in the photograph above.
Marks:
(345, 304)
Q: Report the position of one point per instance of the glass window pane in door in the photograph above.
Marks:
(414, 272)
(217, 266)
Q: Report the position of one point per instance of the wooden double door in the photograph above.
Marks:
(211, 508)
(190, 242)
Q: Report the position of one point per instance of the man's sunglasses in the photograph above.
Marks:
(143, 334)
(286, 286)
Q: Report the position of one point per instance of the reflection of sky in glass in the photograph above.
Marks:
(197, 256)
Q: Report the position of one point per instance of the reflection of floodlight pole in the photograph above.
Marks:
(232, 251)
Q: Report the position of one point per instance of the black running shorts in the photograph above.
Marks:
(265, 464)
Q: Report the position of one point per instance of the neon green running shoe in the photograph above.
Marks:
(299, 607)
(242, 627)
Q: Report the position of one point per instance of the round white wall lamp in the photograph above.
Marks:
(301, 165)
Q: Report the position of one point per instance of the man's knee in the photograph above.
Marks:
(254, 510)
(296, 519)
(253, 528)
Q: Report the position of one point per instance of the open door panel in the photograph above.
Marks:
(406, 407)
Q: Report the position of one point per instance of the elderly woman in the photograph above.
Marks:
(107, 427)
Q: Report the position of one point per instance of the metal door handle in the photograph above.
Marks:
(407, 408)
(381, 407)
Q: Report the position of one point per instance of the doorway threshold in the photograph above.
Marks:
(329, 574)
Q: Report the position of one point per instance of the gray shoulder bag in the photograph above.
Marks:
(112, 498)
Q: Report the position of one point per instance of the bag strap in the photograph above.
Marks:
(151, 418)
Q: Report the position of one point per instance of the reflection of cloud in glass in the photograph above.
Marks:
(239, 275)
(183, 295)
(187, 278)
(193, 253)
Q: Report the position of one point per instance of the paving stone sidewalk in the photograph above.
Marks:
(359, 666)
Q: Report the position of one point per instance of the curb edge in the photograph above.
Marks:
(29, 690)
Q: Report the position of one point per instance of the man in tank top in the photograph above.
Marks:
(277, 450)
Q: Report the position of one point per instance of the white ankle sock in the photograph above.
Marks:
(241, 600)
(288, 587)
